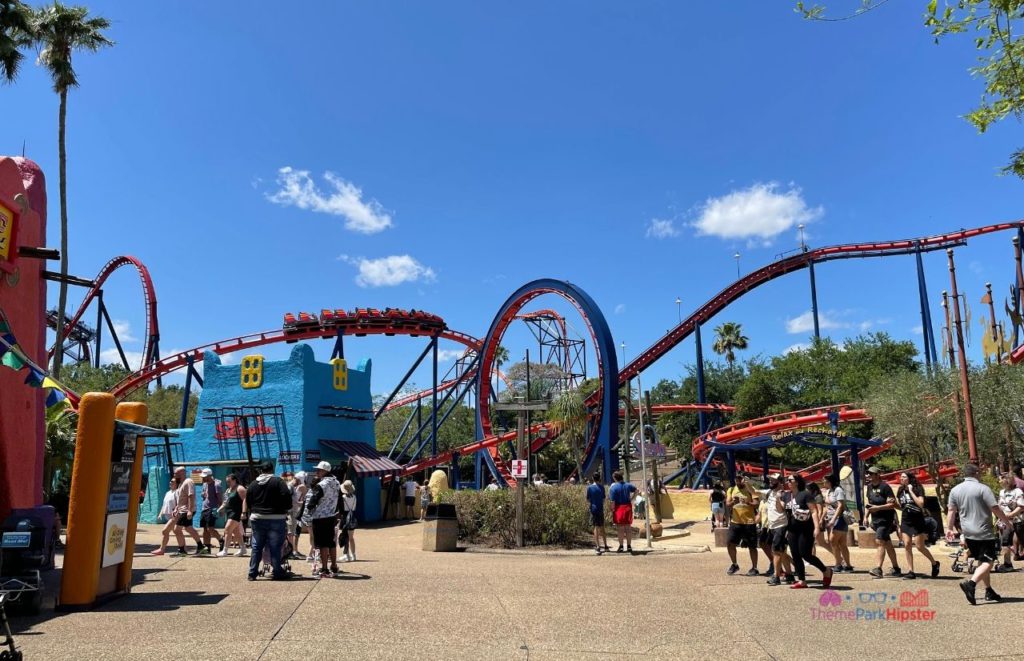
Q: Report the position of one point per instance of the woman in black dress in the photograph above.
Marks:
(804, 525)
(912, 526)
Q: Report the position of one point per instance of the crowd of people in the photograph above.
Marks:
(792, 519)
(274, 511)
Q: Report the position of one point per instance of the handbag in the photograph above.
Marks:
(849, 517)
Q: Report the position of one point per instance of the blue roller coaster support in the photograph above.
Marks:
(814, 301)
(701, 399)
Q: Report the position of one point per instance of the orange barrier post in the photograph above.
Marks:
(90, 481)
(138, 413)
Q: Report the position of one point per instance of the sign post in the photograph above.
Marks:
(521, 463)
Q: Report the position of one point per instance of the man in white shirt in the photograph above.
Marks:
(1011, 501)
(410, 487)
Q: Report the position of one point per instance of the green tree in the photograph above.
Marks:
(15, 32)
(995, 25)
(570, 412)
(729, 337)
(60, 449)
(998, 411)
(915, 410)
(60, 30)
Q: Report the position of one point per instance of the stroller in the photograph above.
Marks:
(962, 561)
(267, 568)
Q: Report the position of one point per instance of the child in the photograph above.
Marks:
(424, 501)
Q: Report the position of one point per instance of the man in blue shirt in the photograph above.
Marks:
(621, 494)
(595, 496)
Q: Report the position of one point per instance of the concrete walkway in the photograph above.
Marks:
(399, 602)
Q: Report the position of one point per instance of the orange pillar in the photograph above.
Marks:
(90, 483)
(138, 413)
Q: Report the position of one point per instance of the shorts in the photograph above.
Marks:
(744, 534)
(883, 528)
(1006, 536)
(410, 501)
(232, 515)
(290, 522)
(776, 537)
(913, 525)
(208, 519)
(597, 518)
(983, 550)
(323, 532)
(623, 515)
(841, 524)
(716, 508)
(184, 520)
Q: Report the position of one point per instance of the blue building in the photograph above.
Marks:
(293, 412)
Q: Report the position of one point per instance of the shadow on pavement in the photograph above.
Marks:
(161, 601)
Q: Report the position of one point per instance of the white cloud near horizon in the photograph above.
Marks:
(620, 308)
(760, 212)
(112, 357)
(389, 271)
(296, 188)
(799, 346)
(661, 229)
(124, 332)
(444, 355)
(804, 323)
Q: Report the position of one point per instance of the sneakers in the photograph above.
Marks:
(771, 569)
(157, 552)
(180, 553)
(598, 550)
(876, 572)
(935, 569)
(848, 569)
(620, 550)
(991, 595)
(222, 553)
(774, 580)
(753, 572)
(837, 568)
(629, 549)
(730, 571)
(968, 587)
(203, 550)
(240, 553)
(799, 585)
(788, 579)
(895, 572)
(909, 576)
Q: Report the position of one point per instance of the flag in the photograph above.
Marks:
(35, 377)
(12, 359)
(55, 396)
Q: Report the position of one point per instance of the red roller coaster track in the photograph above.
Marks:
(152, 336)
(410, 327)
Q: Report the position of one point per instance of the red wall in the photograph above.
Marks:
(23, 300)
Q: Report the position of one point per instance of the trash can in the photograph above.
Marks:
(441, 528)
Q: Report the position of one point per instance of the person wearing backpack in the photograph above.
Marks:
(267, 503)
(913, 527)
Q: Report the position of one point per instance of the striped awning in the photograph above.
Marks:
(364, 459)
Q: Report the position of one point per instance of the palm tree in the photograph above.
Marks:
(59, 31)
(728, 338)
(500, 356)
(60, 446)
(570, 412)
(15, 32)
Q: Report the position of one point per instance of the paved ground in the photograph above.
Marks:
(399, 602)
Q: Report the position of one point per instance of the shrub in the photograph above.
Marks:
(554, 516)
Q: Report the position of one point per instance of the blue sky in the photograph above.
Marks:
(473, 147)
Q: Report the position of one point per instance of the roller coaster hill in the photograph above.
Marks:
(415, 448)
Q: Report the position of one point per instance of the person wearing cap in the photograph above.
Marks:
(185, 512)
(742, 501)
(348, 520)
(323, 516)
(267, 503)
(773, 532)
(970, 508)
(208, 515)
(881, 509)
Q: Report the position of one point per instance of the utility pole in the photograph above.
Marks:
(952, 366)
(972, 445)
(624, 443)
(522, 409)
(643, 466)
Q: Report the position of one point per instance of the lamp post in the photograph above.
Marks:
(803, 246)
(679, 310)
(736, 256)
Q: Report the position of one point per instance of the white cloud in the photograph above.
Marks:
(662, 229)
(112, 357)
(389, 271)
(917, 330)
(346, 200)
(124, 332)
(760, 212)
(799, 346)
(620, 308)
(804, 323)
(444, 355)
